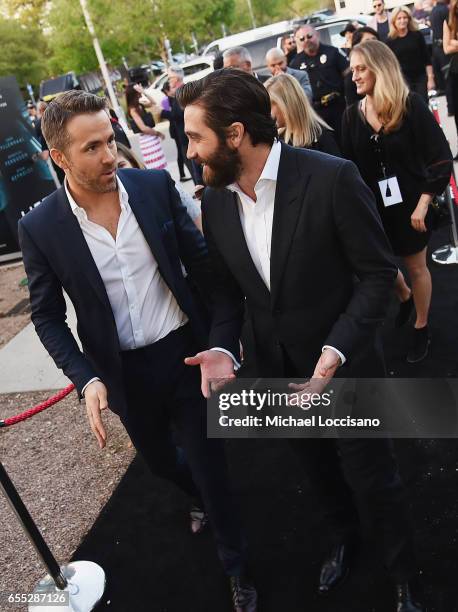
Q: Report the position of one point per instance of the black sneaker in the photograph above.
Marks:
(419, 344)
(404, 312)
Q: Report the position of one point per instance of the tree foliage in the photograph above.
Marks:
(23, 52)
(50, 37)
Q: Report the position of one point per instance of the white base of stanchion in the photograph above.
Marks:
(446, 255)
(86, 584)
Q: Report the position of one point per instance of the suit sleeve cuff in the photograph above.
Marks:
(87, 384)
(341, 355)
(222, 350)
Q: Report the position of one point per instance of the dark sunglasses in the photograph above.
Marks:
(307, 36)
(378, 5)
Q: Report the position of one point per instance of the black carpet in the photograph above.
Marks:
(153, 564)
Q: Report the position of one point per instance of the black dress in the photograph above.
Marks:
(413, 57)
(417, 154)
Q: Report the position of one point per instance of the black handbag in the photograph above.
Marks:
(441, 213)
(451, 67)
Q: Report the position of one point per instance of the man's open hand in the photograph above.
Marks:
(95, 395)
(214, 365)
(325, 369)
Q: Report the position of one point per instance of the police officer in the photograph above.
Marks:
(326, 67)
(439, 14)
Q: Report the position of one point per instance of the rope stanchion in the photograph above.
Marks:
(76, 587)
(447, 254)
(38, 408)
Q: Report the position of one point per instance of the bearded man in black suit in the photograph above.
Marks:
(289, 231)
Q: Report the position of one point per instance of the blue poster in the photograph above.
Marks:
(24, 177)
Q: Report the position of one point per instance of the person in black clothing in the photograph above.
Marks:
(439, 14)
(296, 279)
(176, 117)
(288, 46)
(166, 105)
(298, 124)
(360, 36)
(409, 46)
(404, 158)
(41, 107)
(380, 22)
(326, 68)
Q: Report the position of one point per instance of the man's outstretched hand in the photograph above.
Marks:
(95, 395)
(325, 369)
(214, 365)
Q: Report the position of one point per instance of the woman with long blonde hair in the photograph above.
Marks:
(298, 124)
(450, 45)
(403, 156)
(409, 46)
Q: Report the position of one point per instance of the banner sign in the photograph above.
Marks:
(24, 177)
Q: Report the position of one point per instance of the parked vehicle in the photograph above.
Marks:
(50, 88)
(193, 70)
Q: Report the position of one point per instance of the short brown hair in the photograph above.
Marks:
(228, 96)
(63, 108)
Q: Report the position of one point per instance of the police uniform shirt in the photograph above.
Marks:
(325, 70)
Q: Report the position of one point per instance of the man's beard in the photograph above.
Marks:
(224, 168)
(93, 184)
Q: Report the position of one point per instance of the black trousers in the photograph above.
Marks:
(439, 61)
(453, 79)
(164, 396)
(419, 85)
(180, 159)
(341, 470)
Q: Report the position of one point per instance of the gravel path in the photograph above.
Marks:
(14, 297)
(63, 478)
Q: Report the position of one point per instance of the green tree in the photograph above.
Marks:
(23, 52)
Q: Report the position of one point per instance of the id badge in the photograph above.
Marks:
(389, 189)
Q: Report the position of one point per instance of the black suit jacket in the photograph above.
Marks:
(332, 269)
(56, 258)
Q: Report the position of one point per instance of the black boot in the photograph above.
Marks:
(419, 344)
(404, 601)
(336, 566)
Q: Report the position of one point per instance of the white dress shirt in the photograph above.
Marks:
(257, 219)
(144, 308)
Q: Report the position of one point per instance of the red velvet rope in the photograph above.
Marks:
(39, 408)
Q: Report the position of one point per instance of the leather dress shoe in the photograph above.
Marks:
(336, 567)
(244, 595)
(404, 599)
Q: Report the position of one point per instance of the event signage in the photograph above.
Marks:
(25, 178)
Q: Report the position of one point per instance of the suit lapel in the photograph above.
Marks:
(289, 197)
(76, 246)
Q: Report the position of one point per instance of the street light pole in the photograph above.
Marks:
(103, 67)
(250, 9)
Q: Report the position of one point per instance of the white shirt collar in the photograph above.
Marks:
(270, 170)
(80, 212)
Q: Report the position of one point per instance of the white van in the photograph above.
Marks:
(257, 41)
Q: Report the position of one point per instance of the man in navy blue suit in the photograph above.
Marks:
(115, 243)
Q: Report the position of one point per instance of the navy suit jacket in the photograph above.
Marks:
(56, 258)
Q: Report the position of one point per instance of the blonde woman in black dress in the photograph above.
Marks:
(403, 156)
